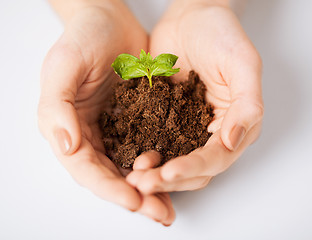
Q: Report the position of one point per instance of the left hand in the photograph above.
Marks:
(76, 82)
(209, 39)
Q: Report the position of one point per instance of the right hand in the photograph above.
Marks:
(209, 39)
(76, 81)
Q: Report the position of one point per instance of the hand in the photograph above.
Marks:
(208, 39)
(75, 82)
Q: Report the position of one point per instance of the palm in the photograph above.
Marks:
(209, 40)
(81, 62)
(200, 41)
(94, 91)
(93, 101)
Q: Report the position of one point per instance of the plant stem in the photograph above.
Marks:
(149, 76)
(150, 81)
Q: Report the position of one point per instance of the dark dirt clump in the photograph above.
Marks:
(169, 118)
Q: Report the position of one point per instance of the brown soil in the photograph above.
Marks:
(169, 118)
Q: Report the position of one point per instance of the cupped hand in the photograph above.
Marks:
(209, 39)
(76, 81)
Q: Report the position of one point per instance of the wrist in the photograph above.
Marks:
(186, 3)
(179, 7)
(69, 8)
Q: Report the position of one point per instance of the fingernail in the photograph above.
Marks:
(166, 225)
(63, 140)
(236, 136)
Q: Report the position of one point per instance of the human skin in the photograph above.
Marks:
(208, 38)
(76, 81)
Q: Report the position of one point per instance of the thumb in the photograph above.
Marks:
(61, 76)
(246, 108)
(239, 119)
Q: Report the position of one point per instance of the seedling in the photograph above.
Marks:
(128, 66)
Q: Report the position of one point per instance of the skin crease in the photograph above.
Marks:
(209, 40)
(75, 84)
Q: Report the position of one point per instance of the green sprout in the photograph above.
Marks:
(128, 66)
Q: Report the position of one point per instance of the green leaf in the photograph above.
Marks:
(142, 55)
(128, 66)
(170, 72)
(146, 59)
(166, 58)
(163, 65)
(134, 71)
(163, 70)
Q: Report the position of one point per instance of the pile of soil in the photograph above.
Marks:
(171, 118)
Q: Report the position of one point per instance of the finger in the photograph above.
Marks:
(150, 182)
(85, 167)
(158, 207)
(134, 177)
(153, 211)
(62, 73)
(165, 197)
(147, 160)
(146, 181)
(243, 77)
(189, 184)
(209, 160)
(190, 171)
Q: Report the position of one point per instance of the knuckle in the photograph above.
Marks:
(221, 163)
(213, 166)
(41, 116)
(257, 111)
(174, 175)
(251, 56)
(245, 52)
(255, 58)
(63, 51)
(203, 183)
(77, 171)
(147, 188)
(172, 170)
(40, 126)
(253, 112)
(148, 185)
(255, 132)
(259, 59)
(81, 183)
(223, 166)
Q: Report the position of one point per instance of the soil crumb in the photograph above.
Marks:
(170, 118)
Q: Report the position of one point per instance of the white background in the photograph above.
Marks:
(266, 194)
